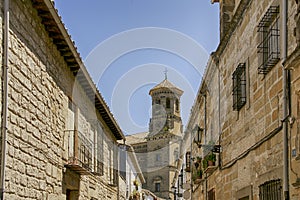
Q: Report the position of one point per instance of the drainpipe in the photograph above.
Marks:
(118, 168)
(219, 112)
(285, 104)
(5, 96)
(205, 139)
(191, 162)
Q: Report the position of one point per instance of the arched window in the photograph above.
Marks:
(157, 183)
(157, 187)
(157, 101)
(168, 103)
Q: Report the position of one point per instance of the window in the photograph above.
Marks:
(157, 187)
(113, 174)
(176, 154)
(239, 87)
(188, 161)
(157, 101)
(270, 190)
(115, 164)
(268, 47)
(168, 103)
(158, 157)
(99, 150)
(85, 155)
(177, 105)
(211, 194)
(123, 158)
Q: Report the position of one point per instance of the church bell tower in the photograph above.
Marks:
(165, 131)
(165, 109)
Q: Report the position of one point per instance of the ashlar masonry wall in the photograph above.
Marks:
(251, 138)
(40, 86)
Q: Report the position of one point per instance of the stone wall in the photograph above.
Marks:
(40, 84)
(251, 138)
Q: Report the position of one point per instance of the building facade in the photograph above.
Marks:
(59, 139)
(245, 116)
(158, 150)
(130, 171)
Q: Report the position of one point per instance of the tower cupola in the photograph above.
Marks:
(166, 115)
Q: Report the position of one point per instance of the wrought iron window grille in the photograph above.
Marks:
(269, 44)
(211, 194)
(271, 190)
(188, 161)
(239, 87)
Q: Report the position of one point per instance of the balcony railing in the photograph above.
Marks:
(80, 152)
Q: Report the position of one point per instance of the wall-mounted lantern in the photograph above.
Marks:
(198, 132)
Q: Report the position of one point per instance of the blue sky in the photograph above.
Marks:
(127, 44)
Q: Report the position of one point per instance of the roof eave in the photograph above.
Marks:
(74, 61)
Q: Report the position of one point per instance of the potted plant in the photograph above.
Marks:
(211, 159)
(197, 175)
(198, 161)
(204, 163)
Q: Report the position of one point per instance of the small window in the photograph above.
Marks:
(271, 190)
(211, 194)
(158, 157)
(187, 161)
(176, 154)
(157, 187)
(177, 105)
(168, 103)
(269, 44)
(239, 87)
(157, 101)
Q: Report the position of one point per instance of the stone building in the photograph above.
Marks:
(158, 150)
(245, 116)
(59, 138)
(130, 171)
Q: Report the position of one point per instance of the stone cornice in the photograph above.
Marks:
(236, 19)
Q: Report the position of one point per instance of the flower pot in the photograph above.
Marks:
(211, 163)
